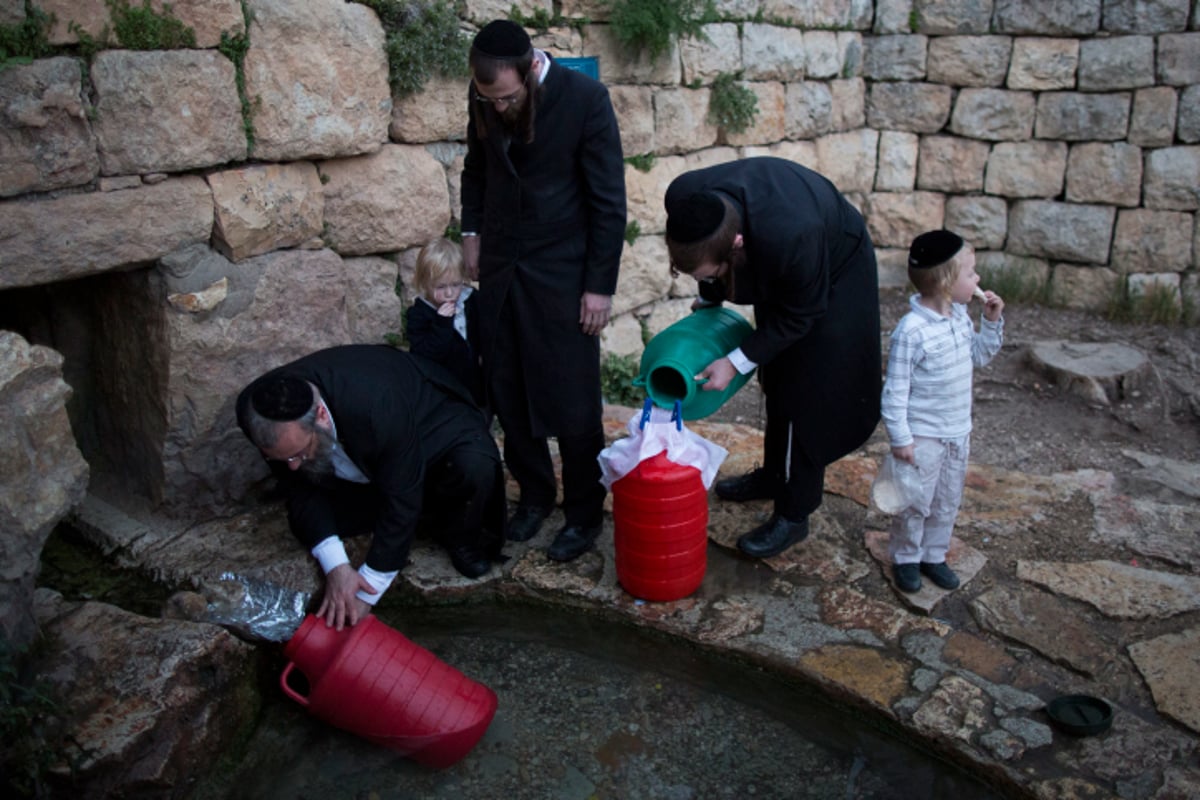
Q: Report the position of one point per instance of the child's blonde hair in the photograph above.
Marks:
(938, 280)
(437, 259)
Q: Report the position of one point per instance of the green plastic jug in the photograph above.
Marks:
(673, 357)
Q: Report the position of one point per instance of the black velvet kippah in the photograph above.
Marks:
(282, 398)
(933, 247)
(697, 217)
(502, 39)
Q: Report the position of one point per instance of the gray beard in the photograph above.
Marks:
(320, 466)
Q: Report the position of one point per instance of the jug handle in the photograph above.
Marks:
(289, 691)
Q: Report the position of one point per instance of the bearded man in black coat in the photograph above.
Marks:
(769, 232)
(543, 219)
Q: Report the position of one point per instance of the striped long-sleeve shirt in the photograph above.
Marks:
(930, 363)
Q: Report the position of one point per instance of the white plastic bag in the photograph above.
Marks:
(897, 486)
(651, 431)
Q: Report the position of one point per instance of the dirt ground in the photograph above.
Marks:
(1023, 422)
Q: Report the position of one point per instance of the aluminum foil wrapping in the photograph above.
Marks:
(254, 609)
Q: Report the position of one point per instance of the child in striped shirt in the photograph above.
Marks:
(926, 405)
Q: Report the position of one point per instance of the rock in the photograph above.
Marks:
(957, 709)
(1117, 590)
(1171, 666)
(42, 474)
(1182, 476)
(1101, 373)
(265, 207)
(965, 560)
(1045, 624)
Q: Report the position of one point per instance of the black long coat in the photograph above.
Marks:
(551, 214)
(433, 336)
(811, 275)
(394, 416)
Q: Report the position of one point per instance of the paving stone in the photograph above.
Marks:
(1129, 749)
(1100, 372)
(1155, 530)
(866, 672)
(957, 709)
(1003, 745)
(1182, 476)
(1171, 666)
(726, 619)
(983, 658)
(1045, 624)
(1032, 733)
(847, 609)
(965, 560)
(1117, 590)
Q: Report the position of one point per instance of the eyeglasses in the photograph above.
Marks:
(508, 100)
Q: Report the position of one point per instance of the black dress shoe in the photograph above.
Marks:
(773, 537)
(525, 523)
(942, 576)
(572, 542)
(469, 560)
(908, 577)
(754, 485)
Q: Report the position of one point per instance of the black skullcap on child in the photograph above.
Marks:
(502, 38)
(933, 248)
(282, 398)
(696, 217)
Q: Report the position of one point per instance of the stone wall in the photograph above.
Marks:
(1062, 137)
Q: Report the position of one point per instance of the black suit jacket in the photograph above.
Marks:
(395, 413)
(434, 337)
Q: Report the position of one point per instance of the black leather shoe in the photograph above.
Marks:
(754, 485)
(942, 576)
(572, 542)
(908, 577)
(525, 523)
(773, 537)
(469, 560)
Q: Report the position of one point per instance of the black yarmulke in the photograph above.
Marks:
(697, 217)
(502, 39)
(933, 247)
(282, 398)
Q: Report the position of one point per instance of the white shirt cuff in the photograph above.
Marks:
(331, 553)
(742, 364)
(379, 580)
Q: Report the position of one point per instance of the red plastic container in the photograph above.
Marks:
(372, 681)
(660, 529)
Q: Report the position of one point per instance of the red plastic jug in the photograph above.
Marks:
(660, 529)
(372, 681)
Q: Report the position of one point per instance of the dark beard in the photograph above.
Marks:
(320, 466)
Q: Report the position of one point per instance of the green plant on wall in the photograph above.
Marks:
(632, 231)
(643, 162)
(422, 40)
(143, 28)
(27, 40)
(234, 47)
(731, 105)
(616, 380)
(650, 26)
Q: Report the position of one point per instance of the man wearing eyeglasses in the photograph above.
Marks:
(769, 232)
(543, 219)
(367, 439)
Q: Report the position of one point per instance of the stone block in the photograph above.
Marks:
(893, 267)
(45, 140)
(848, 159)
(803, 153)
(1152, 241)
(597, 10)
(634, 107)
(1076, 117)
(1179, 59)
(265, 207)
(12, 12)
(808, 110)
(822, 56)
(437, 113)
(681, 122)
(719, 51)
(1152, 123)
(897, 170)
(373, 309)
(1145, 16)
(1026, 169)
(1043, 64)
(622, 337)
(770, 123)
(1189, 115)
(826, 14)
(1105, 172)
(320, 74)
(208, 19)
(893, 16)
(969, 60)
(1123, 62)
(993, 114)
(951, 164)
(953, 16)
(1031, 274)
(621, 65)
(645, 274)
(1090, 288)
(906, 106)
(981, 220)
(849, 98)
(1061, 231)
(45, 242)
(166, 111)
(386, 201)
(1172, 178)
(1041, 18)
(899, 57)
(771, 52)
(482, 12)
(896, 218)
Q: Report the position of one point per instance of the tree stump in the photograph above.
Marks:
(1102, 373)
